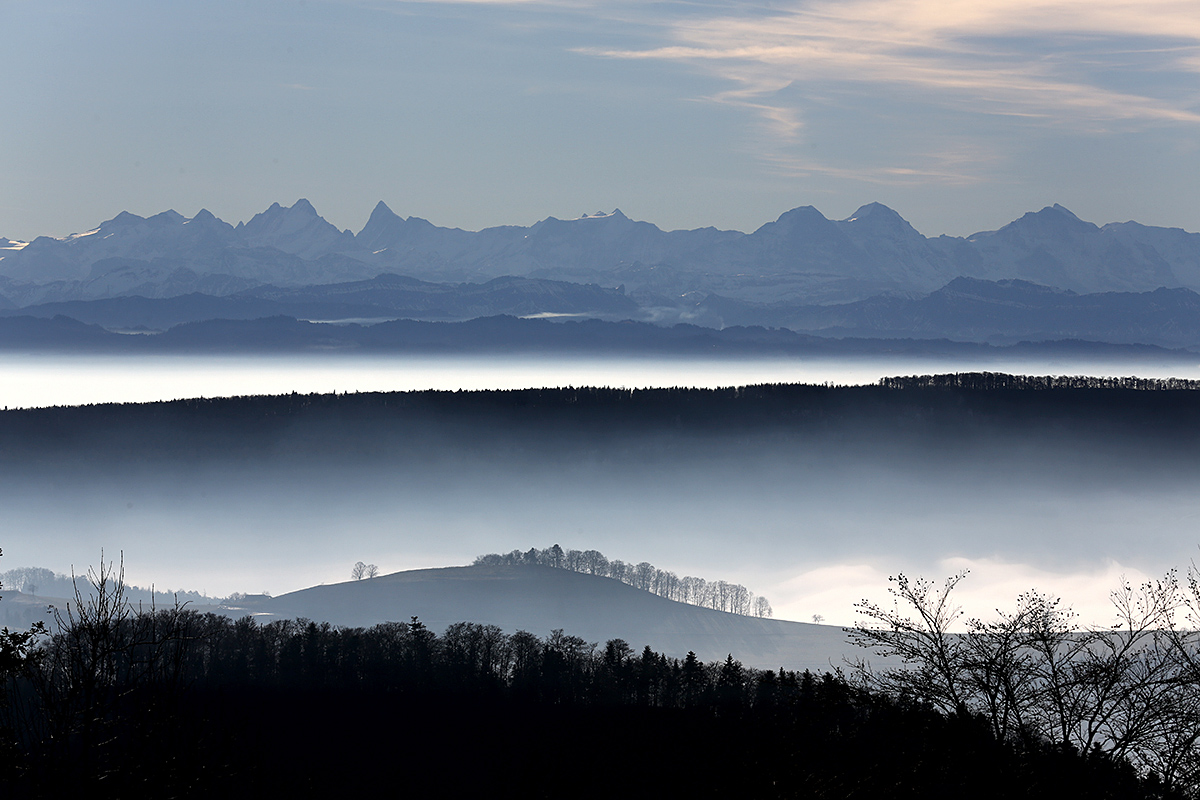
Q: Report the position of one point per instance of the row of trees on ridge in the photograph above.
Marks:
(719, 595)
(991, 381)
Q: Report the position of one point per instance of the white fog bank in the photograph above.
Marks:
(38, 380)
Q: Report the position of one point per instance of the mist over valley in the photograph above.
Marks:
(810, 494)
(324, 441)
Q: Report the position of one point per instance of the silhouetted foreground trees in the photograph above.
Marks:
(1129, 690)
(719, 595)
(172, 703)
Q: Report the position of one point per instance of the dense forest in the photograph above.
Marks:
(719, 595)
(940, 411)
(173, 703)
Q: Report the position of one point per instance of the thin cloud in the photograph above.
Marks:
(880, 175)
(1045, 62)
(849, 42)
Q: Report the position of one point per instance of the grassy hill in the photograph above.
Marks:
(540, 599)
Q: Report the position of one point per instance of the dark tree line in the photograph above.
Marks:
(1000, 381)
(400, 424)
(1129, 690)
(719, 595)
(173, 703)
(46, 582)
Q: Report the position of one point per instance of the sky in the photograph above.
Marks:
(960, 114)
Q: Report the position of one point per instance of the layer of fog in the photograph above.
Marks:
(36, 380)
(814, 531)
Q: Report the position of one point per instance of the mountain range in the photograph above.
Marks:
(873, 250)
(1047, 275)
(973, 310)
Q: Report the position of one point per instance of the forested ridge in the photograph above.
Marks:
(173, 703)
(922, 409)
(989, 381)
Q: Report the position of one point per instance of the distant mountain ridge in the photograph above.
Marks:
(384, 297)
(800, 257)
(512, 335)
(998, 312)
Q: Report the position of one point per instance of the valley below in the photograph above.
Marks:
(810, 494)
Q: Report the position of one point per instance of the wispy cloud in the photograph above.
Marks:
(1080, 64)
(959, 76)
(959, 164)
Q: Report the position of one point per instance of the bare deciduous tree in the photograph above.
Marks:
(1129, 690)
(762, 608)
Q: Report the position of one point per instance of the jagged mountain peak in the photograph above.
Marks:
(615, 224)
(168, 217)
(304, 207)
(802, 212)
(614, 214)
(382, 214)
(873, 250)
(300, 213)
(799, 220)
(298, 230)
(873, 210)
(1051, 215)
(124, 218)
(206, 227)
(879, 219)
(1048, 221)
(383, 228)
(301, 208)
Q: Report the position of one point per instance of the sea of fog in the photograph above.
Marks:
(813, 541)
(37, 380)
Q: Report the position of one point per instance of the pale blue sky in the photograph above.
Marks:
(960, 114)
